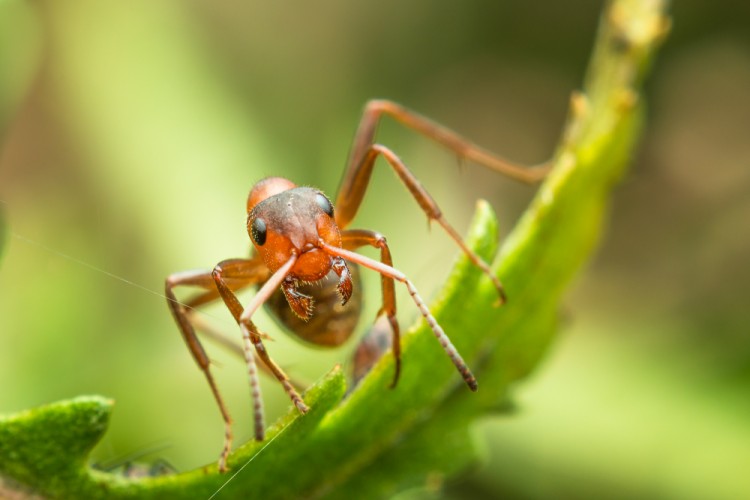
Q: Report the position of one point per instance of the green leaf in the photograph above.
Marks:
(48, 446)
(379, 441)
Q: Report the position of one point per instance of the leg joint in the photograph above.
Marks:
(379, 105)
(379, 241)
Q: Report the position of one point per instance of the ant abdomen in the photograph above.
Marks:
(331, 324)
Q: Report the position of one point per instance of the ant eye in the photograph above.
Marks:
(324, 204)
(258, 230)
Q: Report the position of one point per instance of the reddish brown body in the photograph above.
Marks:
(299, 238)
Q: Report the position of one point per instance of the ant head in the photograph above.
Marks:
(292, 220)
(266, 188)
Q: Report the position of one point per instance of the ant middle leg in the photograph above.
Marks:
(355, 238)
(350, 197)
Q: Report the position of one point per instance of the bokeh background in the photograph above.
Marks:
(132, 131)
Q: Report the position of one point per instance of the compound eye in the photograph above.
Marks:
(258, 230)
(324, 204)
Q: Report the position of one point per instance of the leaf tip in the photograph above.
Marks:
(40, 444)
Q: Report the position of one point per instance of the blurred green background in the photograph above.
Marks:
(132, 132)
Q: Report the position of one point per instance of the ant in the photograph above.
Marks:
(300, 239)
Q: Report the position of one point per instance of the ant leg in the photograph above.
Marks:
(352, 188)
(420, 194)
(355, 238)
(206, 329)
(370, 349)
(252, 337)
(397, 275)
(179, 312)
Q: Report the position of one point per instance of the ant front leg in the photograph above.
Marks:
(252, 338)
(356, 238)
(397, 275)
(248, 272)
